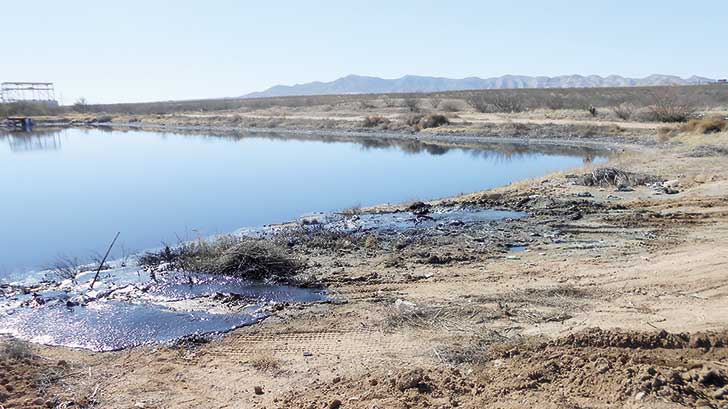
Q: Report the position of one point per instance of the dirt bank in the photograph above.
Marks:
(619, 300)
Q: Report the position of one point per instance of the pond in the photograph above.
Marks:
(66, 193)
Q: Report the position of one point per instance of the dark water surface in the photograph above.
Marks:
(65, 193)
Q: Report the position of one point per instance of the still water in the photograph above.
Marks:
(66, 193)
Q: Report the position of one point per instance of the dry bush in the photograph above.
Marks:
(502, 102)
(374, 121)
(709, 125)
(412, 104)
(435, 102)
(450, 105)
(665, 132)
(433, 121)
(227, 255)
(265, 363)
(669, 106)
(15, 349)
(420, 122)
(65, 268)
(624, 111)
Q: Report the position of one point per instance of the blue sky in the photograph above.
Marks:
(135, 50)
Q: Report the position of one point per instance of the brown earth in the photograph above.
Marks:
(620, 300)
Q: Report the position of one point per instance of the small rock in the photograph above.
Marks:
(584, 194)
(258, 390)
(721, 393)
(336, 380)
(306, 353)
(409, 380)
(335, 404)
(711, 377)
(639, 396)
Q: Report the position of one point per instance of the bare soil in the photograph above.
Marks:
(620, 300)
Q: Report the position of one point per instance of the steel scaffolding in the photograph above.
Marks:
(27, 91)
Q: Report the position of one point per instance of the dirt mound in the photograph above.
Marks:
(608, 367)
(29, 381)
(599, 338)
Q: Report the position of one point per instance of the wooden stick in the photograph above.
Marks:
(104, 260)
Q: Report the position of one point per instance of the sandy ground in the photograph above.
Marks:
(620, 300)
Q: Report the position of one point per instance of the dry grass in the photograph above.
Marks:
(419, 122)
(266, 363)
(228, 255)
(704, 126)
(15, 349)
(374, 121)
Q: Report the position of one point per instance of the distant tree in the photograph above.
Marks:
(81, 105)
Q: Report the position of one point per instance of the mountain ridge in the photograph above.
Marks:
(360, 84)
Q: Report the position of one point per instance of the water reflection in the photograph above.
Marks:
(22, 141)
(73, 189)
(502, 150)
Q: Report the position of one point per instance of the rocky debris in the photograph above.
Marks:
(258, 390)
(590, 365)
(598, 338)
(668, 188)
(419, 209)
(604, 177)
(411, 380)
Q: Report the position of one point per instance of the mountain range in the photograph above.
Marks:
(357, 84)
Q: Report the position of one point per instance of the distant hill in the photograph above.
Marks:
(356, 84)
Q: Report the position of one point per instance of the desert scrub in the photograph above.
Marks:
(669, 106)
(419, 122)
(714, 124)
(374, 121)
(228, 255)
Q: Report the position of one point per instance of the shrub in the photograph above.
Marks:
(227, 255)
(427, 121)
(14, 349)
(623, 111)
(412, 104)
(706, 125)
(373, 121)
(496, 102)
(668, 106)
(433, 121)
(450, 106)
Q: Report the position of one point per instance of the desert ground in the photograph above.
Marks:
(620, 298)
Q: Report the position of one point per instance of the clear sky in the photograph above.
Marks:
(135, 50)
